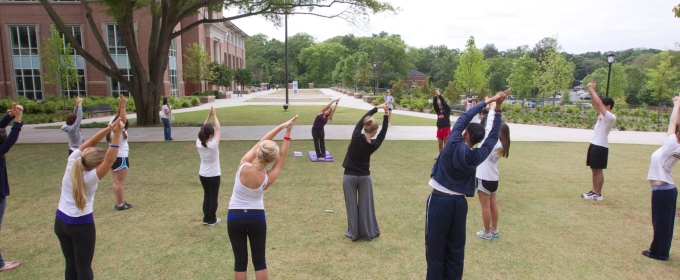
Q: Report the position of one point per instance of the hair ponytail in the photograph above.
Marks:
(504, 138)
(205, 133)
(78, 184)
(266, 153)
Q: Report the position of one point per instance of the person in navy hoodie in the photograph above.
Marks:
(6, 142)
(453, 178)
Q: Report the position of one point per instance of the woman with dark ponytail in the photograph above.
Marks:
(74, 223)
(209, 173)
(6, 142)
(357, 182)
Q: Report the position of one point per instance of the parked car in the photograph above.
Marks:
(511, 99)
(583, 95)
(530, 104)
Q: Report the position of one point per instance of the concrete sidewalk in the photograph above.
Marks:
(519, 132)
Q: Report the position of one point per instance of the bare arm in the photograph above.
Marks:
(112, 152)
(326, 107)
(673, 122)
(250, 155)
(334, 108)
(273, 173)
(96, 138)
(595, 99)
(121, 109)
(79, 113)
(217, 126)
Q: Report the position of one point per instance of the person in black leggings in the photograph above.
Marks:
(318, 133)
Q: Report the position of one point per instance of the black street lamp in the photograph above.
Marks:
(610, 60)
(356, 62)
(285, 106)
(375, 90)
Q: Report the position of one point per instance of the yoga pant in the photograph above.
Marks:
(211, 190)
(597, 157)
(244, 225)
(318, 134)
(445, 235)
(77, 244)
(664, 203)
(3, 205)
(361, 221)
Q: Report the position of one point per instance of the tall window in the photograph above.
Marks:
(172, 69)
(26, 61)
(120, 56)
(79, 88)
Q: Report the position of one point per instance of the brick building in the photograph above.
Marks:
(415, 78)
(24, 24)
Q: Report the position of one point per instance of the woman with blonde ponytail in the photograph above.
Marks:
(74, 222)
(209, 172)
(357, 183)
(246, 219)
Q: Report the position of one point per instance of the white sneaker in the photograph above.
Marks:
(216, 222)
(495, 234)
(587, 194)
(594, 197)
(483, 234)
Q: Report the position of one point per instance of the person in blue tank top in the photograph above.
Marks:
(318, 133)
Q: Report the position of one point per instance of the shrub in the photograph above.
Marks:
(195, 101)
(379, 100)
(130, 105)
(186, 102)
(516, 108)
(32, 107)
(50, 107)
(6, 104)
(505, 106)
(572, 110)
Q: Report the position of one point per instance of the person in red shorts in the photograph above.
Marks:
(443, 122)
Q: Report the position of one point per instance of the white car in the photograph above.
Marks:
(510, 99)
(582, 94)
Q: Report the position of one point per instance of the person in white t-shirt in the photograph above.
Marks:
(598, 151)
(238, 89)
(74, 222)
(122, 165)
(488, 177)
(166, 110)
(664, 192)
(209, 172)
(246, 221)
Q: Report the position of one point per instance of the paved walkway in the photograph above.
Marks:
(519, 132)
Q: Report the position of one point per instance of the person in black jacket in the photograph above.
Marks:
(443, 119)
(356, 182)
(6, 142)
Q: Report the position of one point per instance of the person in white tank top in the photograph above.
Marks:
(246, 220)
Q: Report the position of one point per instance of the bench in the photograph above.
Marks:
(96, 109)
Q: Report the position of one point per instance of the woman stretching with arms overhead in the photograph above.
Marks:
(318, 133)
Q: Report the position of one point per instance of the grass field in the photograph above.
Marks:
(282, 100)
(547, 230)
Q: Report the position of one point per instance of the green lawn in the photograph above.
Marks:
(282, 100)
(547, 230)
(273, 115)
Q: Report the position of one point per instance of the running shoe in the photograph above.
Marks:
(594, 197)
(216, 222)
(494, 234)
(587, 194)
(484, 235)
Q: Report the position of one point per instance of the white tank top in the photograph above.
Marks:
(246, 198)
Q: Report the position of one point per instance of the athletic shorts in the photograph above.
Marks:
(121, 163)
(487, 187)
(597, 157)
(443, 132)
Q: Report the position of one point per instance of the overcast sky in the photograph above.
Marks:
(580, 25)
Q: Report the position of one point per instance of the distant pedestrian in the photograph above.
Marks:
(664, 191)
(166, 110)
(443, 111)
(72, 127)
(598, 151)
(390, 100)
(209, 173)
(238, 88)
(357, 183)
(6, 143)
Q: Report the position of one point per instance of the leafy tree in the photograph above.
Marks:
(222, 75)
(451, 92)
(498, 72)
(470, 76)
(490, 51)
(296, 44)
(320, 60)
(389, 53)
(337, 72)
(364, 72)
(516, 52)
(555, 72)
(676, 11)
(637, 80)
(197, 64)
(163, 17)
(349, 69)
(543, 46)
(243, 76)
(617, 84)
(60, 68)
(522, 76)
(663, 79)
(397, 90)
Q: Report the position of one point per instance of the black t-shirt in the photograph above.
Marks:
(358, 158)
(443, 116)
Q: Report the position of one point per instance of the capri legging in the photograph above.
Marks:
(244, 225)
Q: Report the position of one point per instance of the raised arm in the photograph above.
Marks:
(79, 113)
(4, 122)
(595, 99)
(250, 155)
(434, 103)
(360, 124)
(334, 108)
(489, 120)
(217, 126)
(111, 154)
(273, 173)
(383, 131)
(673, 122)
(447, 108)
(96, 138)
(13, 136)
(487, 146)
(327, 106)
(121, 109)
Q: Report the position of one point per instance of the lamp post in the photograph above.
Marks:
(610, 60)
(356, 62)
(375, 90)
(285, 106)
(413, 84)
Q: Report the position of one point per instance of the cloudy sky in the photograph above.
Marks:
(579, 25)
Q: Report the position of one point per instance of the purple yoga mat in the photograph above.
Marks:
(312, 157)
